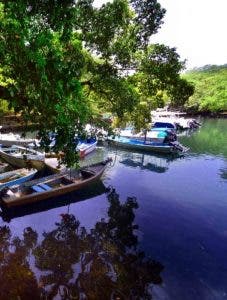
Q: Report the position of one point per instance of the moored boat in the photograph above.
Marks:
(53, 185)
(16, 177)
(23, 157)
(160, 135)
(173, 147)
(9, 139)
(156, 140)
(176, 118)
(86, 146)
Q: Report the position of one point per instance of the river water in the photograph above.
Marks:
(157, 225)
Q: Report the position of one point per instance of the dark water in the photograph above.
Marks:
(156, 226)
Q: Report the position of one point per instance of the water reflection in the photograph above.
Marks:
(74, 263)
(223, 173)
(209, 139)
(17, 279)
(154, 163)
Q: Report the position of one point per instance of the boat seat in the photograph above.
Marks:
(45, 186)
(38, 188)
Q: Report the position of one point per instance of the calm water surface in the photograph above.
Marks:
(157, 226)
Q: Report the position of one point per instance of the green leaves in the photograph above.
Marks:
(148, 19)
(68, 62)
(210, 89)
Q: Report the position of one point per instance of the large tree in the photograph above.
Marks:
(64, 62)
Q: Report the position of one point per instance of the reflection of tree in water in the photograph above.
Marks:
(103, 263)
(17, 281)
(223, 173)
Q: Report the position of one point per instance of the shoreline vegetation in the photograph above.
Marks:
(210, 94)
(208, 100)
(14, 123)
(209, 82)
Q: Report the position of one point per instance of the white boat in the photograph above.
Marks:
(85, 147)
(9, 139)
(16, 177)
(21, 157)
(175, 118)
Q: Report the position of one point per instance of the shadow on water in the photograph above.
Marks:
(155, 163)
(91, 191)
(70, 262)
(223, 173)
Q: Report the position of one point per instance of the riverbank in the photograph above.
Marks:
(207, 114)
(14, 123)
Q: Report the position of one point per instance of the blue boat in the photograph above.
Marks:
(170, 125)
(16, 177)
(157, 140)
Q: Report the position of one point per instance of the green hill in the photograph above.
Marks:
(210, 89)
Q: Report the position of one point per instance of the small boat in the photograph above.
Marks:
(9, 139)
(157, 135)
(89, 192)
(157, 140)
(172, 147)
(16, 177)
(176, 118)
(85, 147)
(52, 186)
(21, 157)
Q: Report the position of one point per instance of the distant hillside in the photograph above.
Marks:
(210, 89)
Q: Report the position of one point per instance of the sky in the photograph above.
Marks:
(196, 28)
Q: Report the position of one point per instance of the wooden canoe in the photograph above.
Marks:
(52, 186)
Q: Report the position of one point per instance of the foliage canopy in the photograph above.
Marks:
(65, 62)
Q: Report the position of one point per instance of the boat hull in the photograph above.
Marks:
(22, 162)
(167, 149)
(23, 143)
(36, 197)
(88, 148)
(20, 180)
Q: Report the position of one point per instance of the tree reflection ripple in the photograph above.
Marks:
(71, 262)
